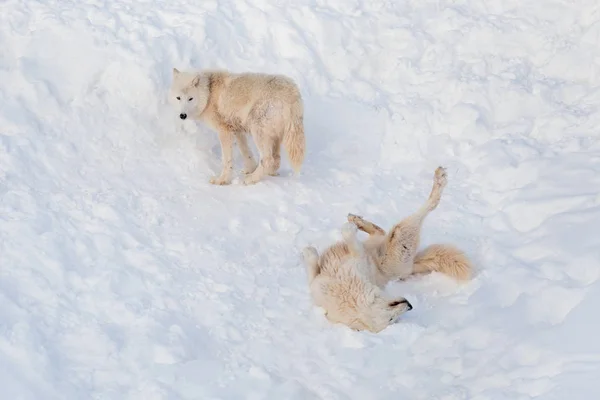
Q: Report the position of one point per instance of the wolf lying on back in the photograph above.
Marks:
(347, 279)
(269, 107)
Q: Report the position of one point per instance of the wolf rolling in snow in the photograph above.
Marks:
(348, 278)
(268, 107)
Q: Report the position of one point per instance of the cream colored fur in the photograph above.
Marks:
(268, 107)
(348, 278)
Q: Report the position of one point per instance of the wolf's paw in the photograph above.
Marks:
(310, 255)
(440, 177)
(220, 180)
(250, 180)
(248, 169)
(355, 219)
(349, 230)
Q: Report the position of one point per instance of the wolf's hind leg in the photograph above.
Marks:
(276, 162)
(404, 238)
(269, 156)
(440, 179)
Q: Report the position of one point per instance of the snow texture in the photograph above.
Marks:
(125, 275)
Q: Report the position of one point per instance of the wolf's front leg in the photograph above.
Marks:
(226, 138)
(349, 234)
(311, 261)
(365, 226)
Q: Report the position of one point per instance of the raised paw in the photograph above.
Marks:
(440, 177)
(219, 180)
(310, 255)
(365, 226)
(349, 230)
(355, 219)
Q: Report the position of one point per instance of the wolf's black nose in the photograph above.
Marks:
(396, 303)
(404, 301)
(183, 116)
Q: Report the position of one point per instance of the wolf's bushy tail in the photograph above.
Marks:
(293, 139)
(443, 258)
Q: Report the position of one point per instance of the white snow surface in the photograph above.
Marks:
(125, 275)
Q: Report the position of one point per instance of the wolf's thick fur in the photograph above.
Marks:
(268, 107)
(348, 278)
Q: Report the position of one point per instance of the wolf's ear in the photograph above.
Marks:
(175, 72)
(196, 81)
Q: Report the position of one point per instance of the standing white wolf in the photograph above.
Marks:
(268, 107)
(348, 278)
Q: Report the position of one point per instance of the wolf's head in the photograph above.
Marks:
(378, 314)
(358, 307)
(189, 93)
(386, 312)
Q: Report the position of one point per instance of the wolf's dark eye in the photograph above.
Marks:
(178, 98)
(190, 99)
